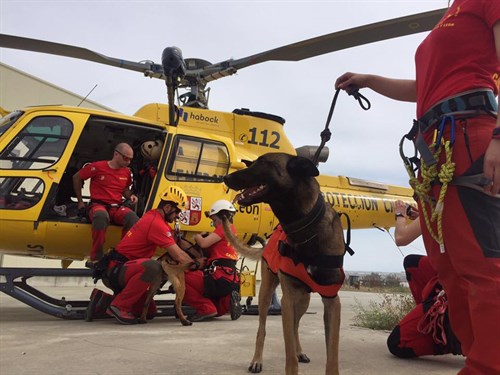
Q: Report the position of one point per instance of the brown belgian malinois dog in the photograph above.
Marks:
(174, 273)
(315, 242)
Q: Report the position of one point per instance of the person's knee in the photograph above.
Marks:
(152, 270)
(100, 220)
(129, 220)
(393, 342)
(412, 260)
(409, 262)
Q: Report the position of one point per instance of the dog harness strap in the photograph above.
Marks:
(305, 229)
(300, 273)
(222, 262)
(318, 260)
(347, 241)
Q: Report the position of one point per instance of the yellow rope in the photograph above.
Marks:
(423, 187)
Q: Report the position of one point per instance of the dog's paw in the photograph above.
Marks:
(186, 322)
(255, 367)
(303, 358)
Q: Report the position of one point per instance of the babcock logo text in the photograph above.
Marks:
(185, 115)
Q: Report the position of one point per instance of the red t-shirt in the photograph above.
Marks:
(459, 54)
(106, 184)
(150, 232)
(222, 249)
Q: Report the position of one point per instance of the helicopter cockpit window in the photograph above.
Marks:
(198, 160)
(20, 193)
(39, 145)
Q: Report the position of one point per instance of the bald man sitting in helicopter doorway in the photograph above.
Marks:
(110, 180)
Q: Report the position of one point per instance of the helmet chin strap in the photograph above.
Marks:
(167, 214)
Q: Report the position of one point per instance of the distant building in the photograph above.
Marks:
(19, 89)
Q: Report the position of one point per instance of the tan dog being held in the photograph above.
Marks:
(315, 240)
(175, 274)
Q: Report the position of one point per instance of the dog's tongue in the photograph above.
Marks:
(246, 193)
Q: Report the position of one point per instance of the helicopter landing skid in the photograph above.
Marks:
(13, 281)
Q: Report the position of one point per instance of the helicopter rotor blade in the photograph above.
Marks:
(331, 42)
(149, 69)
(204, 72)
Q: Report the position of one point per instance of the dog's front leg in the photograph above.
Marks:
(268, 284)
(295, 299)
(331, 319)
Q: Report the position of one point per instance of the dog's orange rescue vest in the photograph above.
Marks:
(286, 265)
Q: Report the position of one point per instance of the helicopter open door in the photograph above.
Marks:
(40, 150)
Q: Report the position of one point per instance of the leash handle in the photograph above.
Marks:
(326, 134)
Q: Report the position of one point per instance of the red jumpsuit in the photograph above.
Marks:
(136, 275)
(459, 55)
(410, 337)
(195, 290)
(106, 188)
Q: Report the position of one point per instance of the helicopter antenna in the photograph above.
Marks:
(86, 96)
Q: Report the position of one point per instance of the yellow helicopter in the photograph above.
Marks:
(182, 143)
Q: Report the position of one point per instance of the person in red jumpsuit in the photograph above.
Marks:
(110, 180)
(131, 270)
(426, 329)
(455, 89)
(215, 290)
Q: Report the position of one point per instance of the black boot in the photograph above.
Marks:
(99, 303)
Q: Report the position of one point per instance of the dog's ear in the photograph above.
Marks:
(299, 166)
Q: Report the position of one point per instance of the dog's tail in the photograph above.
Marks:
(253, 253)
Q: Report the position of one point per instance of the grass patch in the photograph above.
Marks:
(385, 314)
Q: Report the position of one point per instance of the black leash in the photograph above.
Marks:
(326, 134)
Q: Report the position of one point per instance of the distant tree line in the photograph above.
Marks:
(375, 280)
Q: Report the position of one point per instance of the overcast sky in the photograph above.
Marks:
(364, 144)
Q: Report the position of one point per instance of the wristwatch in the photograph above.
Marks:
(399, 214)
(496, 133)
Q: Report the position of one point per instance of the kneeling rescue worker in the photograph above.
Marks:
(215, 290)
(129, 269)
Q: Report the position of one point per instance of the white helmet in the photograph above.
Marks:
(219, 206)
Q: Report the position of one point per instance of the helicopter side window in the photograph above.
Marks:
(198, 160)
(20, 193)
(39, 145)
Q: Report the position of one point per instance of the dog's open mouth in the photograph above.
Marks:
(250, 195)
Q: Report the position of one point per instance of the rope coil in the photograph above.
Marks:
(432, 212)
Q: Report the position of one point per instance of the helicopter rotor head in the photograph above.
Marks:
(173, 64)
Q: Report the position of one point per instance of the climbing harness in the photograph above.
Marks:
(447, 112)
(326, 134)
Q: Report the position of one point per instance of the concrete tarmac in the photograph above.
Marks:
(32, 342)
